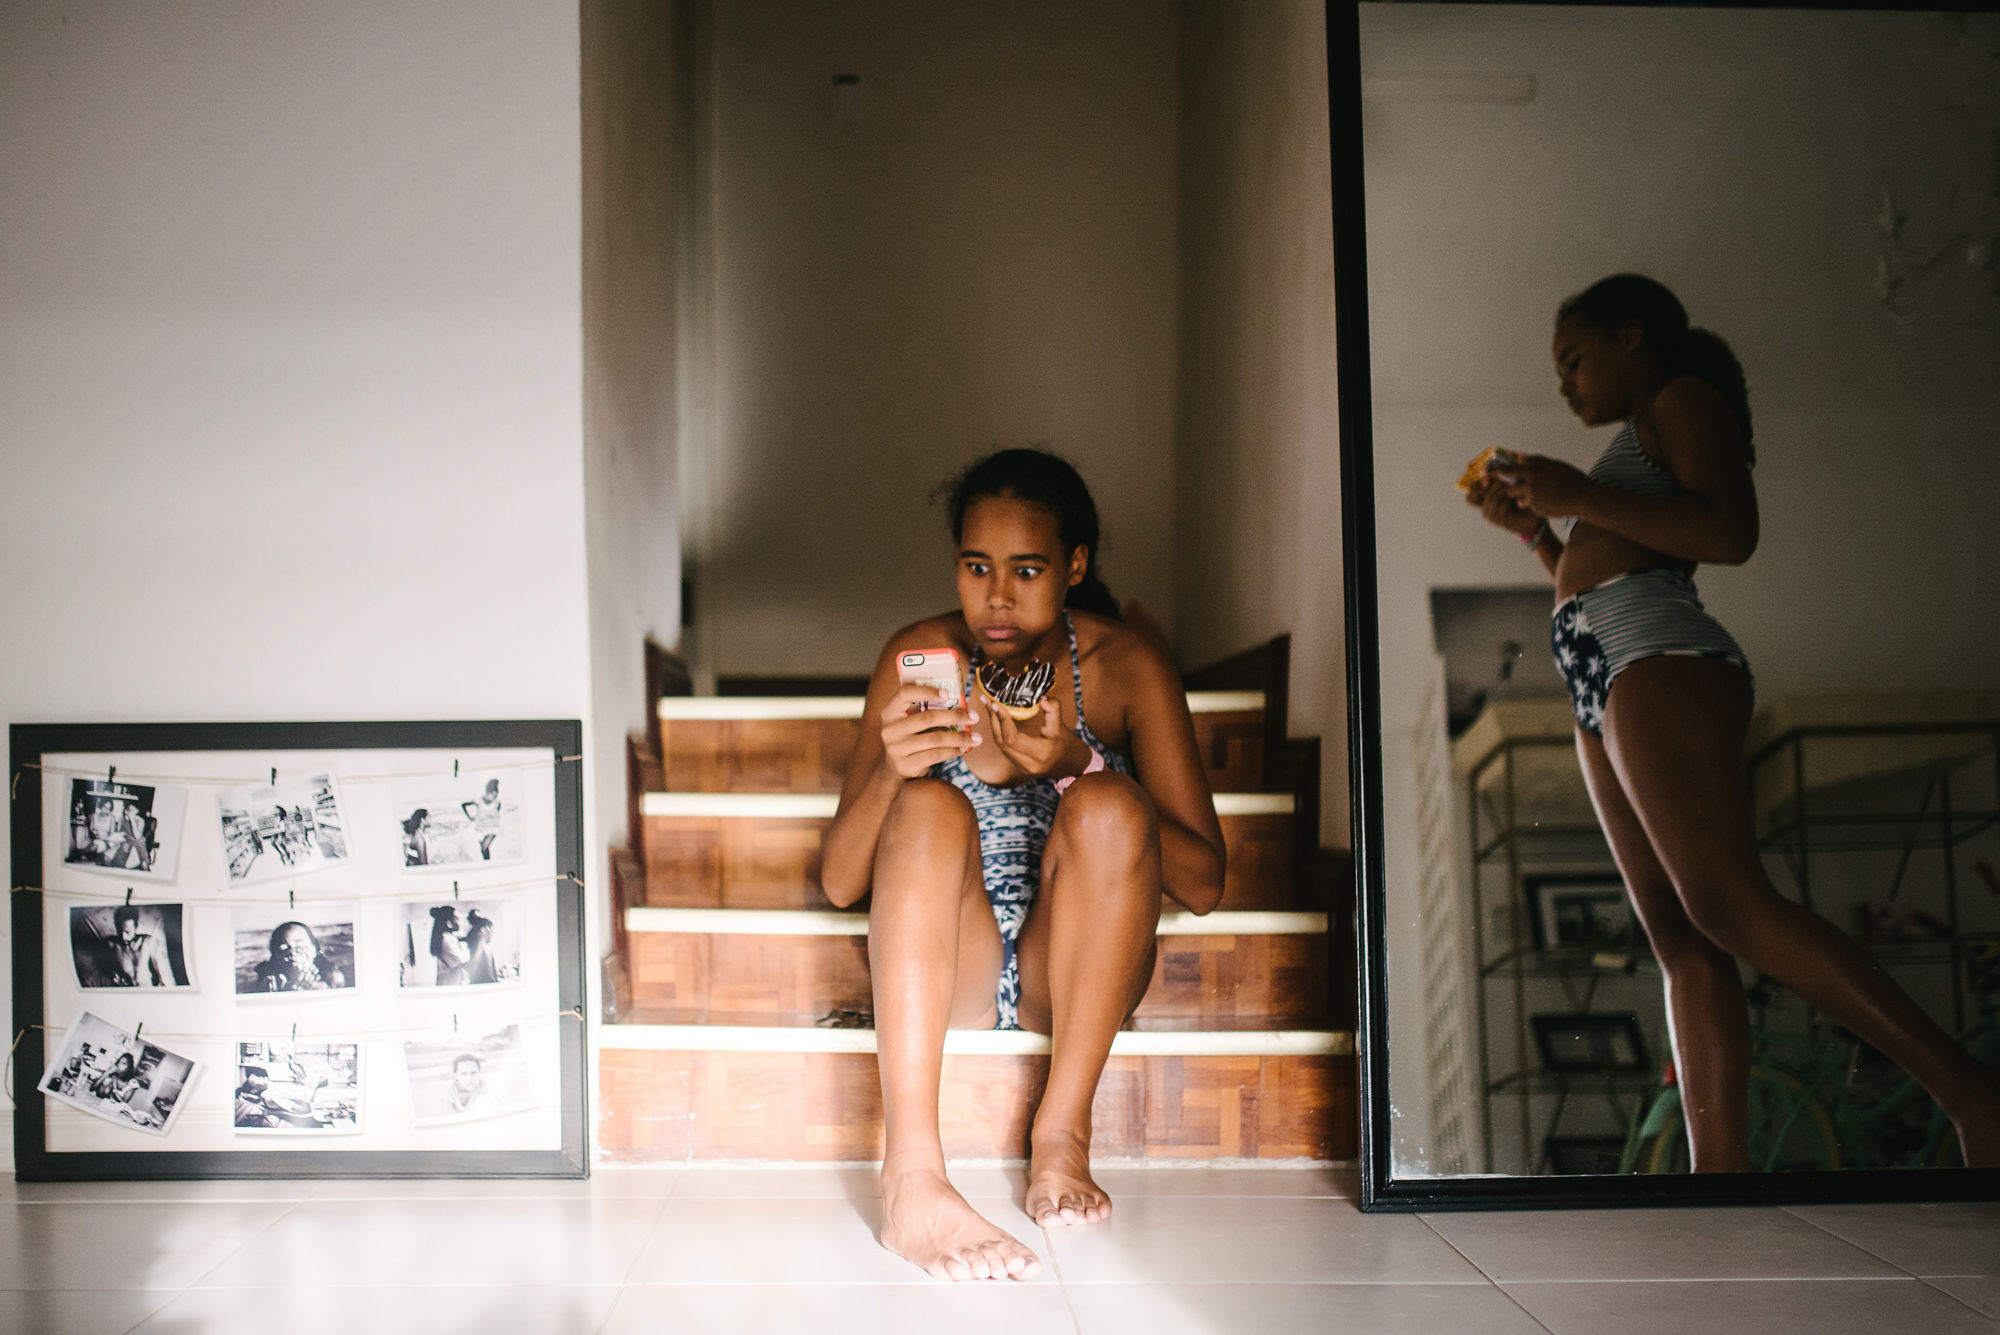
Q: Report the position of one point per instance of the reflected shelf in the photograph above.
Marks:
(1602, 1082)
(1547, 843)
(1875, 832)
(1572, 964)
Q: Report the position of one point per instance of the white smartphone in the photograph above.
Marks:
(937, 669)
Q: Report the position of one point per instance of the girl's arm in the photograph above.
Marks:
(894, 745)
(1169, 765)
(1715, 522)
(1496, 504)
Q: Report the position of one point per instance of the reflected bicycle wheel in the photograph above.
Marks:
(1789, 1130)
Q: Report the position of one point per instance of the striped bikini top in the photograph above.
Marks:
(1626, 466)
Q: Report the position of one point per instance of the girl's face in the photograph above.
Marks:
(1012, 574)
(295, 948)
(1597, 371)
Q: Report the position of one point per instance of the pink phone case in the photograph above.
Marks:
(936, 668)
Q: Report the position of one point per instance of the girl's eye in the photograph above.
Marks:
(975, 567)
(1026, 572)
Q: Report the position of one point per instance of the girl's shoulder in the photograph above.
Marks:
(1129, 662)
(1116, 643)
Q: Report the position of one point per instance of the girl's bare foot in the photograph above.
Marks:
(927, 1223)
(1060, 1191)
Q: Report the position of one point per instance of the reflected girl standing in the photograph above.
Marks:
(1662, 696)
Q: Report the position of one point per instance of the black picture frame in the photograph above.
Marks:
(1576, 912)
(1382, 1189)
(29, 742)
(1590, 1042)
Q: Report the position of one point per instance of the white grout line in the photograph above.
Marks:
(833, 922)
(973, 1042)
(753, 708)
(821, 806)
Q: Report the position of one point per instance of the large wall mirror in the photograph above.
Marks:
(1821, 188)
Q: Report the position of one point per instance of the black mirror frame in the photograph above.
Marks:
(1381, 1189)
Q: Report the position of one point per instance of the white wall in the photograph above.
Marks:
(290, 371)
(631, 399)
(985, 259)
(1257, 537)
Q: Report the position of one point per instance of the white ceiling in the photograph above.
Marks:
(1736, 155)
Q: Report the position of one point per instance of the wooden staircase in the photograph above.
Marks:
(738, 997)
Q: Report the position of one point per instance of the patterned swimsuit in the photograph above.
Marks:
(1014, 824)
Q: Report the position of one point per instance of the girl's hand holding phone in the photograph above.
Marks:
(927, 719)
(920, 728)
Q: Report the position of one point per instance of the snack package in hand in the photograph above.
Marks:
(1488, 459)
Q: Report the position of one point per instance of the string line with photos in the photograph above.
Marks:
(290, 895)
(110, 773)
(335, 1033)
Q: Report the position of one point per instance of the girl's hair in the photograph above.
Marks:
(1628, 298)
(1042, 479)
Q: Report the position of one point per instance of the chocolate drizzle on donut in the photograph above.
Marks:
(1017, 691)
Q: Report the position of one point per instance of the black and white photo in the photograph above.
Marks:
(297, 1087)
(293, 949)
(461, 1077)
(460, 942)
(287, 828)
(120, 1077)
(129, 945)
(131, 830)
(459, 824)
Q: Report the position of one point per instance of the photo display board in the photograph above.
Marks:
(298, 950)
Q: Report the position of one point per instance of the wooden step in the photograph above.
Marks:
(1224, 970)
(761, 850)
(802, 744)
(669, 1094)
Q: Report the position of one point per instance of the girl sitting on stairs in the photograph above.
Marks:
(1016, 867)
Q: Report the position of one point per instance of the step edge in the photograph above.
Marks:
(834, 922)
(974, 1042)
(819, 806)
(779, 708)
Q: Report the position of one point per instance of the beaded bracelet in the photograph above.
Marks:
(1534, 538)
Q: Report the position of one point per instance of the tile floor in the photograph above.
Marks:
(1210, 1251)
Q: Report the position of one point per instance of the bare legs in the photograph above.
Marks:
(1673, 747)
(934, 954)
(1706, 1014)
(1086, 957)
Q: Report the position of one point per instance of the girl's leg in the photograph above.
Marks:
(934, 957)
(1706, 1013)
(1674, 730)
(1086, 956)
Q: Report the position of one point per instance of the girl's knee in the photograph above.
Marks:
(1105, 809)
(928, 801)
(1722, 913)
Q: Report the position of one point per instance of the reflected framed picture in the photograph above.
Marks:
(1581, 912)
(1581, 1043)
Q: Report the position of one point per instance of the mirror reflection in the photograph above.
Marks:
(1691, 688)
